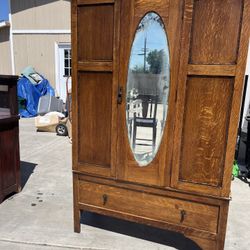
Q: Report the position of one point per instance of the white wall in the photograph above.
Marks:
(37, 25)
(37, 50)
(40, 14)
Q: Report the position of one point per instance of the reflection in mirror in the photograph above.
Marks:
(147, 88)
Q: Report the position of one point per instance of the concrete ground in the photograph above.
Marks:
(40, 217)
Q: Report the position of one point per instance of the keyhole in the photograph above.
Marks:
(183, 214)
(105, 199)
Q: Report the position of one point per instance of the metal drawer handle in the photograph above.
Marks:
(183, 214)
(104, 199)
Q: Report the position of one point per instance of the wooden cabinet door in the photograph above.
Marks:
(9, 163)
(214, 45)
(133, 14)
(95, 49)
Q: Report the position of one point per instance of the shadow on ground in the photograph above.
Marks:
(242, 163)
(144, 232)
(27, 168)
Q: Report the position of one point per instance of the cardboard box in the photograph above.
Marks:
(47, 123)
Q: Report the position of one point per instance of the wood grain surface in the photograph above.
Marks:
(215, 31)
(97, 30)
(95, 106)
(186, 187)
(95, 27)
(211, 70)
(207, 109)
(198, 216)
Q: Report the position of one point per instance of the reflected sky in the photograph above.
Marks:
(155, 40)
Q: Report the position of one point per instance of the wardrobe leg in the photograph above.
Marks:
(77, 218)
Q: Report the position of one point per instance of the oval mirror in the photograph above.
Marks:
(147, 88)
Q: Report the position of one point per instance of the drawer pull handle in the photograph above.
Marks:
(183, 214)
(104, 199)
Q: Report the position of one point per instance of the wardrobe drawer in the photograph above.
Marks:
(155, 207)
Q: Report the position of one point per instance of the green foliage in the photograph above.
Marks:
(155, 59)
(235, 169)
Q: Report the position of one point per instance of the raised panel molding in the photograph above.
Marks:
(215, 32)
(97, 32)
(95, 125)
(211, 70)
(205, 128)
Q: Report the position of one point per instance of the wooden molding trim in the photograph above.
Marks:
(95, 66)
(90, 2)
(211, 70)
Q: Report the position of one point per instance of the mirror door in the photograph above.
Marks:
(147, 80)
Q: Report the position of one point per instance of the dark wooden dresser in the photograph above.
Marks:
(156, 90)
(9, 137)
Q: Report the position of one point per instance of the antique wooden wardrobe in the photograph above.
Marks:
(156, 97)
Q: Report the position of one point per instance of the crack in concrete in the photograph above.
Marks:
(49, 245)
